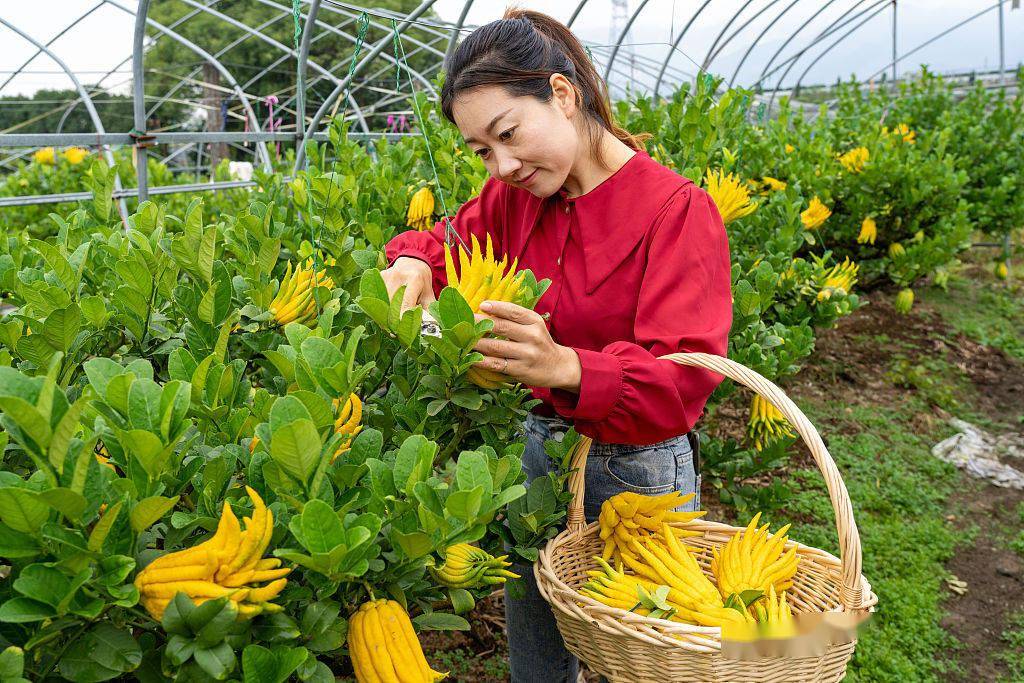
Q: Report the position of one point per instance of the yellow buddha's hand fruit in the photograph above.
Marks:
(228, 565)
(384, 647)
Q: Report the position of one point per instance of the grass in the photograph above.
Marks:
(989, 312)
(1013, 654)
(901, 494)
(1017, 543)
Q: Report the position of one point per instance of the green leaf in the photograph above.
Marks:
(371, 286)
(24, 610)
(149, 510)
(441, 621)
(61, 438)
(260, 665)
(465, 505)
(367, 444)
(415, 544)
(34, 424)
(296, 448)
(100, 372)
(12, 663)
(451, 308)
(61, 327)
(103, 653)
(287, 409)
(102, 529)
(57, 262)
(22, 510)
(462, 600)
(322, 530)
(320, 353)
(65, 501)
(206, 255)
(217, 627)
(146, 448)
(16, 545)
(414, 461)
(217, 661)
(472, 471)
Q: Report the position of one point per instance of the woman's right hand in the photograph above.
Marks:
(417, 278)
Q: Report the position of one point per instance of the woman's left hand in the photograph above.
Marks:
(527, 353)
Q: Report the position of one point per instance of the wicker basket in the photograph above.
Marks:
(627, 647)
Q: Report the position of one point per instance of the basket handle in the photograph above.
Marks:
(849, 539)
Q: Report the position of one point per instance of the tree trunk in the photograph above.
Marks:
(213, 99)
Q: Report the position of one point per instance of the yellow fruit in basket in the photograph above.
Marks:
(774, 615)
(627, 516)
(754, 561)
(384, 647)
(615, 588)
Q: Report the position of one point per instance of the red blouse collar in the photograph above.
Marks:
(621, 175)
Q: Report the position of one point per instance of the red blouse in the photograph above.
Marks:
(639, 268)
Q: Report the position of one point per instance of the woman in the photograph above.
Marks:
(639, 264)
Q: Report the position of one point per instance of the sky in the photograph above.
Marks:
(102, 40)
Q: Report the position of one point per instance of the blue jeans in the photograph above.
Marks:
(537, 652)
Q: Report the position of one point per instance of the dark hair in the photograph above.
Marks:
(520, 52)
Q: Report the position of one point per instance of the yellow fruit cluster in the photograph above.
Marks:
(294, 302)
(815, 215)
(467, 566)
(481, 277)
(766, 423)
(384, 647)
(229, 564)
(421, 210)
(731, 197)
(904, 301)
(840, 279)
(663, 561)
(628, 516)
(753, 561)
(854, 160)
(348, 422)
(45, 156)
(868, 231)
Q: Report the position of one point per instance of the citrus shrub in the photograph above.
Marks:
(241, 509)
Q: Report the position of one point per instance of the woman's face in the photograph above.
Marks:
(522, 141)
